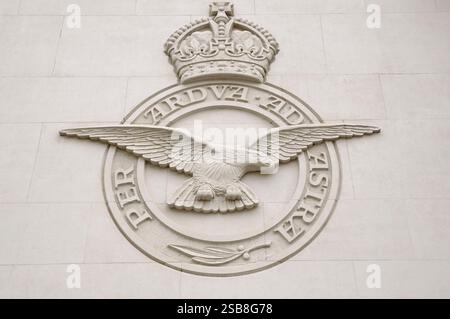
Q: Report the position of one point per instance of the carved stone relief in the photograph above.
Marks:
(217, 207)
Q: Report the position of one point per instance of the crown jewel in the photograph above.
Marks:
(221, 46)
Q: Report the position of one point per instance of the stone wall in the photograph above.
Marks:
(394, 203)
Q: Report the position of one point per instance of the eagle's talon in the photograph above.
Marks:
(204, 192)
(233, 192)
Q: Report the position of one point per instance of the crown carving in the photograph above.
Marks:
(221, 46)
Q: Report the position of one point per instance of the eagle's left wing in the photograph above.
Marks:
(286, 143)
(159, 145)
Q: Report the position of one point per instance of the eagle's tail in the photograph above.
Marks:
(184, 198)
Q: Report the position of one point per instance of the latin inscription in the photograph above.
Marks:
(233, 93)
(306, 211)
(126, 194)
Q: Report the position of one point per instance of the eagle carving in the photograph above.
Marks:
(216, 170)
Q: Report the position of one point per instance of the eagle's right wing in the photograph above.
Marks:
(286, 143)
(162, 146)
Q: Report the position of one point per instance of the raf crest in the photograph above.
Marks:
(212, 207)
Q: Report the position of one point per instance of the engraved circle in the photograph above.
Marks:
(153, 239)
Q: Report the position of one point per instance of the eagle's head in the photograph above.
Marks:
(251, 160)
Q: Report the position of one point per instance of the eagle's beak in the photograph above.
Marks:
(265, 162)
(269, 167)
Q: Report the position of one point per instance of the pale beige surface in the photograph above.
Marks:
(394, 203)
